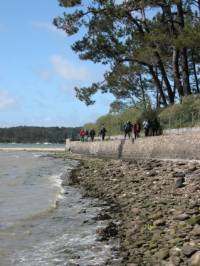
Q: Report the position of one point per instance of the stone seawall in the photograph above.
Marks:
(109, 149)
(184, 146)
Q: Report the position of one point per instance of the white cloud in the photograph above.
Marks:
(47, 26)
(7, 102)
(69, 70)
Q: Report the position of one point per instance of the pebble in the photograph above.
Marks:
(179, 182)
(195, 259)
(181, 217)
(178, 174)
(196, 230)
(188, 250)
(155, 219)
(159, 222)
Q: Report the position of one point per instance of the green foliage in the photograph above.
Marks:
(117, 107)
(182, 115)
(24, 134)
(194, 220)
(114, 122)
(151, 47)
(69, 3)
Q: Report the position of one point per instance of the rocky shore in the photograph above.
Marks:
(156, 204)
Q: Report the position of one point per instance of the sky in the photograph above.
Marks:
(38, 69)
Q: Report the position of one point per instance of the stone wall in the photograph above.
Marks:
(184, 146)
(184, 130)
(98, 148)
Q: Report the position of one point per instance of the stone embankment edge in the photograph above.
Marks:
(185, 146)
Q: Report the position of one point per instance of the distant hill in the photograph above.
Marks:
(31, 134)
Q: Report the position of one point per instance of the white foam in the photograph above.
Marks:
(56, 182)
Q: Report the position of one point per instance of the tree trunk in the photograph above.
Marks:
(184, 58)
(186, 74)
(165, 78)
(143, 93)
(195, 74)
(158, 86)
(176, 73)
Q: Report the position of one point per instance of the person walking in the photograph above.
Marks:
(146, 126)
(86, 135)
(82, 134)
(136, 130)
(128, 129)
(155, 127)
(102, 133)
(92, 134)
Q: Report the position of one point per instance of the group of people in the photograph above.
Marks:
(151, 128)
(132, 129)
(85, 134)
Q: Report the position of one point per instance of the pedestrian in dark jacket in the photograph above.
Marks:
(102, 133)
(155, 127)
(128, 129)
(92, 134)
(146, 126)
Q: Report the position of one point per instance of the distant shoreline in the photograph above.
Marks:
(33, 149)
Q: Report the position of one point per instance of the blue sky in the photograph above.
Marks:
(38, 70)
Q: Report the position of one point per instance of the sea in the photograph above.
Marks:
(42, 220)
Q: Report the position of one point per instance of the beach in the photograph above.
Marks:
(155, 204)
(44, 220)
(101, 211)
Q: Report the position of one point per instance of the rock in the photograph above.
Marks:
(196, 230)
(175, 251)
(166, 263)
(192, 167)
(102, 217)
(195, 259)
(159, 222)
(179, 182)
(178, 174)
(188, 250)
(181, 217)
(180, 163)
(195, 204)
(175, 260)
(156, 216)
(85, 221)
(162, 254)
(109, 231)
(148, 167)
(152, 173)
(135, 211)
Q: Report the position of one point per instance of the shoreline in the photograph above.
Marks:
(156, 203)
(34, 149)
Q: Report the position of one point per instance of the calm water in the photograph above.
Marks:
(42, 222)
(32, 145)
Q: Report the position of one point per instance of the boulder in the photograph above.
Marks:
(195, 259)
(188, 250)
(179, 182)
